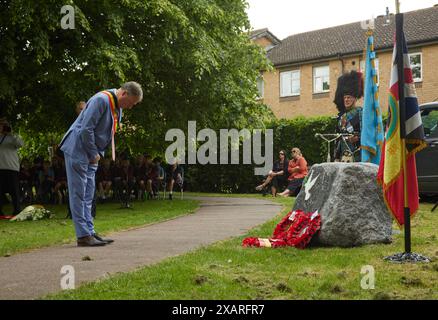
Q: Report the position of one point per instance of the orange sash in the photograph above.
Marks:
(112, 104)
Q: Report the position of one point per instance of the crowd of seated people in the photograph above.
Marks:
(125, 179)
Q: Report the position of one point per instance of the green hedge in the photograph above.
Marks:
(298, 132)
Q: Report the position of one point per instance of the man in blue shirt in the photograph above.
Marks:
(83, 146)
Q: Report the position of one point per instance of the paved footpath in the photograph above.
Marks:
(37, 273)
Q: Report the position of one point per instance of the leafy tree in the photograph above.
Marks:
(193, 58)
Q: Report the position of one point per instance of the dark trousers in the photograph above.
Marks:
(9, 183)
(123, 189)
(294, 186)
(279, 182)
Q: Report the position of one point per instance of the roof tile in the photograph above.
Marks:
(420, 26)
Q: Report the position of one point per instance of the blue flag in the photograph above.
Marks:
(372, 127)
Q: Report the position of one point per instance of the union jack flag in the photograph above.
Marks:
(391, 173)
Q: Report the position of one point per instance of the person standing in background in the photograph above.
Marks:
(9, 165)
(80, 106)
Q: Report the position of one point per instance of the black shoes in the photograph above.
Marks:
(93, 241)
(170, 196)
(90, 241)
(107, 241)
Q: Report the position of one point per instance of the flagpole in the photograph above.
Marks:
(402, 108)
(407, 256)
(397, 6)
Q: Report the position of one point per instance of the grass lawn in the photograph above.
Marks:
(226, 270)
(21, 236)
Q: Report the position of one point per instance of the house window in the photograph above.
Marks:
(321, 79)
(416, 61)
(260, 87)
(376, 65)
(290, 83)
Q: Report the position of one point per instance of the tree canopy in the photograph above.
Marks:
(193, 58)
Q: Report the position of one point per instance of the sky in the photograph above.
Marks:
(287, 17)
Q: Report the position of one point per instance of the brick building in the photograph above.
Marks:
(307, 65)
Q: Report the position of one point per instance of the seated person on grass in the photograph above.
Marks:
(159, 181)
(140, 177)
(152, 180)
(104, 179)
(25, 182)
(277, 177)
(35, 172)
(297, 172)
(126, 183)
(46, 183)
(61, 187)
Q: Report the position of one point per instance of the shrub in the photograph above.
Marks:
(298, 132)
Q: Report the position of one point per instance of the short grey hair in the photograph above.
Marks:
(134, 89)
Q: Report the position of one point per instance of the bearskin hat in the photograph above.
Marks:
(348, 84)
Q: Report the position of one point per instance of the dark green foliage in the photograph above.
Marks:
(221, 178)
(37, 144)
(299, 132)
(193, 58)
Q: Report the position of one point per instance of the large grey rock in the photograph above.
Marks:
(350, 203)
